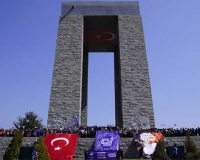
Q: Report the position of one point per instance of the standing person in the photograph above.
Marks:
(175, 151)
(139, 146)
(34, 154)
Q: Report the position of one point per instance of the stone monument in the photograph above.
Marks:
(109, 26)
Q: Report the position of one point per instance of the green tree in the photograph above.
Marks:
(192, 152)
(190, 146)
(31, 120)
(160, 151)
(13, 149)
(42, 153)
(193, 156)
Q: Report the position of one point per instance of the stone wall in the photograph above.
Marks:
(135, 81)
(4, 142)
(181, 140)
(126, 144)
(66, 90)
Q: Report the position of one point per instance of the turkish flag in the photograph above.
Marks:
(61, 146)
(101, 36)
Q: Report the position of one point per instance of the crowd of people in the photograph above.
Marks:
(90, 131)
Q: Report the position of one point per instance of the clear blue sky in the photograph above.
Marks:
(28, 31)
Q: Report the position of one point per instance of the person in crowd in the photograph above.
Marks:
(120, 153)
(175, 152)
(139, 146)
(90, 131)
(34, 154)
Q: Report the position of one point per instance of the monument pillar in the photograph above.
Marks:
(100, 27)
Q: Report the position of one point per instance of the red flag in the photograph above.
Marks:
(101, 36)
(61, 145)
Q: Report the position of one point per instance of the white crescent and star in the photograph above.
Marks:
(112, 36)
(57, 148)
(59, 139)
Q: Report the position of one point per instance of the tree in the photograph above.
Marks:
(31, 120)
(42, 153)
(160, 151)
(193, 156)
(192, 152)
(13, 149)
(190, 146)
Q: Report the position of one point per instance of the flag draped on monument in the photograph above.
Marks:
(150, 141)
(61, 145)
(105, 141)
(101, 36)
